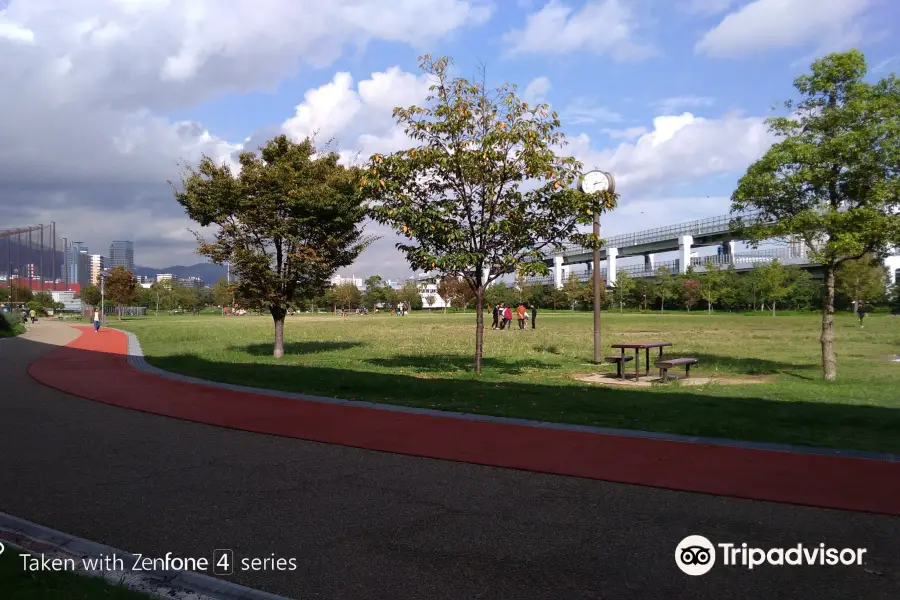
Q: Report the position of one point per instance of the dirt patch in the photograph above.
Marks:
(650, 380)
(640, 333)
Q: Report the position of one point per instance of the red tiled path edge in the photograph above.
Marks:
(103, 374)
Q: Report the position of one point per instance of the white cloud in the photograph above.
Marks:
(86, 85)
(359, 119)
(676, 103)
(679, 150)
(536, 90)
(764, 25)
(581, 110)
(599, 27)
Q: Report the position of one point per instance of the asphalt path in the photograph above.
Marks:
(369, 525)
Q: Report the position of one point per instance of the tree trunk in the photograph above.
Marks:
(829, 361)
(278, 314)
(662, 305)
(773, 308)
(479, 328)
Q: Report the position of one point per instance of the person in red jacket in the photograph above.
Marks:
(507, 317)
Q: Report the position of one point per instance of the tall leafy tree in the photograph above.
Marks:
(665, 286)
(286, 222)
(711, 285)
(863, 280)
(377, 291)
(832, 179)
(623, 288)
(90, 295)
(120, 288)
(484, 191)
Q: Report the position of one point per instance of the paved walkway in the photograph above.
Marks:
(366, 525)
(94, 366)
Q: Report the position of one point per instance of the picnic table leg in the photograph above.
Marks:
(637, 364)
(660, 358)
(622, 365)
(647, 366)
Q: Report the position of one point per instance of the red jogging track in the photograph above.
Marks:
(94, 366)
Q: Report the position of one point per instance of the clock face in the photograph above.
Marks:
(595, 181)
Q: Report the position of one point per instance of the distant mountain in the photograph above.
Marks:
(208, 272)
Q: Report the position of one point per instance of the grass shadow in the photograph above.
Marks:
(666, 409)
(746, 366)
(296, 347)
(438, 363)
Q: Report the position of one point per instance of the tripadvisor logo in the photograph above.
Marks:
(696, 555)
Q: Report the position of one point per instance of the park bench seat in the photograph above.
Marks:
(618, 361)
(665, 365)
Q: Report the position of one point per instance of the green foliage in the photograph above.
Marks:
(623, 288)
(120, 287)
(90, 295)
(895, 298)
(409, 295)
(286, 222)
(484, 192)
(223, 292)
(346, 295)
(832, 179)
(863, 280)
(664, 286)
(377, 292)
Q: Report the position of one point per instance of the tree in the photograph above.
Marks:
(623, 287)
(223, 293)
(446, 289)
(710, 285)
(689, 288)
(410, 295)
(774, 283)
(90, 295)
(120, 288)
(864, 280)
(832, 180)
(431, 300)
(895, 298)
(377, 291)
(573, 288)
(484, 193)
(664, 287)
(285, 223)
(347, 295)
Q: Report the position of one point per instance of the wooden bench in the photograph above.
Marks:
(619, 361)
(665, 365)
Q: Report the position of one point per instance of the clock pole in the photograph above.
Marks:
(606, 183)
(598, 347)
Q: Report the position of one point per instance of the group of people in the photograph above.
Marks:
(503, 316)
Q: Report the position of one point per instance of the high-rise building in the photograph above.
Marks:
(83, 262)
(97, 265)
(121, 254)
(71, 273)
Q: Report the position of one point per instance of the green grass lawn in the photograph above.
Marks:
(18, 584)
(425, 360)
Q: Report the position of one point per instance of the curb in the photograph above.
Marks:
(169, 584)
(137, 360)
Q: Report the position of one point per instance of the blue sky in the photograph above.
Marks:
(669, 95)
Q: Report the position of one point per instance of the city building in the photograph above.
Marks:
(72, 271)
(69, 301)
(338, 280)
(97, 265)
(194, 282)
(121, 254)
(164, 276)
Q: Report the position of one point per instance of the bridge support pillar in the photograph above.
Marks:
(558, 272)
(728, 251)
(648, 263)
(684, 252)
(611, 254)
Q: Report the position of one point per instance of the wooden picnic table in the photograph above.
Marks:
(638, 346)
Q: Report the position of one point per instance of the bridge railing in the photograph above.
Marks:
(711, 225)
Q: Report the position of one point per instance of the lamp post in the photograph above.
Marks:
(597, 182)
(15, 290)
(103, 276)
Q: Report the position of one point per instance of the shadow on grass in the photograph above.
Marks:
(747, 366)
(671, 409)
(296, 347)
(437, 363)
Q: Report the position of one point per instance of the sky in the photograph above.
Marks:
(102, 100)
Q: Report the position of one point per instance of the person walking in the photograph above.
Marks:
(507, 317)
(96, 320)
(861, 313)
(496, 314)
(520, 315)
(533, 314)
(33, 315)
